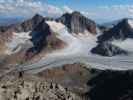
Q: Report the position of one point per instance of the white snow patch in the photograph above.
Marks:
(130, 22)
(71, 41)
(55, 26)
(14, 44)
(125, 45)
(24, 35)
(77, 44)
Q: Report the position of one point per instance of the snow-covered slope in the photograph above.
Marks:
(77, 49)
(130, 22)
(76, 44)
(15, 43)
(124, 44)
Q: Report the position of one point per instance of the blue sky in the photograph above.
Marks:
(86, 4)
(98, 10)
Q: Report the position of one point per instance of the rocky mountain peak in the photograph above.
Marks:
(124, 22)
(37, 17)
(76, 13)
(40, 28)
(77, 23)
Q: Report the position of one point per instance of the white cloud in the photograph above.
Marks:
(108, 13)
(67, 9)
(27, 8)
(118, 10)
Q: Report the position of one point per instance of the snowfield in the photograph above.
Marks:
(125, 45)
(77, 50)
(14, 45)
(77, 44)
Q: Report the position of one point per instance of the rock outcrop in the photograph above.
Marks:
(77, 23)
(34, 89)
(39, 35)
(72, 76)
(108, 49)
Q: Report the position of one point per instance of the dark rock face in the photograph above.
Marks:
(107, 49)
(111, 85)
(40, 34)
(120, 31)
(39, 37)
(77, 23)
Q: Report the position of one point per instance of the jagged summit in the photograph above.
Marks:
(77, 23)
(76, 13)
(37, 15)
